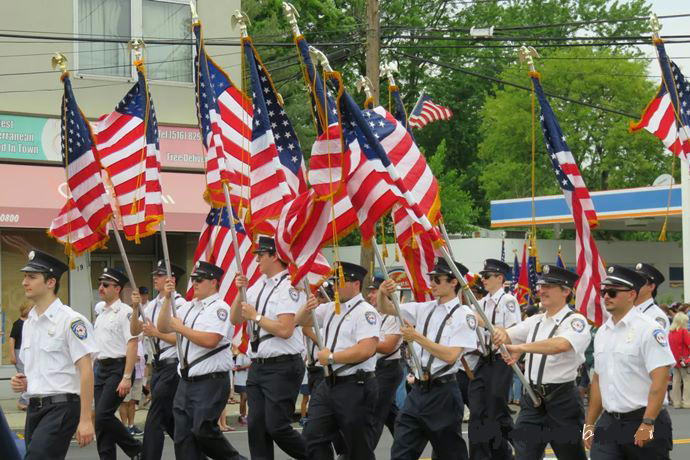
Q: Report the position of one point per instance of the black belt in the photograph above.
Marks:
(547, 390)
(360, 377)
(38, 401)
(632, 415)
(160, 363)
(312, 369)
(384, 363)
(111, 361)
(277, 359)
(437, 381)
(211, 376)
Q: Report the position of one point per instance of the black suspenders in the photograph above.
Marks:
(337, 331)
(187, 365)
(256, 338)
(427, 368)
(542, 362)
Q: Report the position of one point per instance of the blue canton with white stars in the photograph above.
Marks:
(134, 104)
(74, 132)
(680, 97)
(269, 114)
(367, 127)
(220, 217)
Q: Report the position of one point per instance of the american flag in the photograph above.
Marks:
(399, 111)
(128, 150)
(418, 260)
(426, 111)
(322, 103)
(590, 266)
(277, 167)
(503, 250)
(533, 268)
(215, 246)
(516, 274)
(668, 115)
(83, 170)
(522, 285)
(70, 229)
(225, 117)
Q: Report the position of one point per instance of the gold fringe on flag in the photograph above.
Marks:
(664, 227)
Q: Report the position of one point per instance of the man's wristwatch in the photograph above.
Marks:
(331, 361)
(257, 320)
(648, 421)
(127, 376)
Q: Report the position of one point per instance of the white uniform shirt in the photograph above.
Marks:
(275, 296)
(51, 344)
(361, 323)
(651, 309)
(390, 326)
(624, 355)
(112, 330)
(208, 315)
(242, 360)
(502, 310)
(459, 330)
(561, 367)
(151, 311)
(98, 308)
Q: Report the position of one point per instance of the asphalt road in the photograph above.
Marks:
(681, 448)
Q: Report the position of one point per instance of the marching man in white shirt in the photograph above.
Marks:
(57, 344)
(555, 343)
(117, 354)
(631, 365)
(646, 301)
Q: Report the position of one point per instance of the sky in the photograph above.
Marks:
(672, 26)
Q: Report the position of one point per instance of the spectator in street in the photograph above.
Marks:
(242, 363)
(15, 344)
(144, 293)
(679, 341)
(128, 407)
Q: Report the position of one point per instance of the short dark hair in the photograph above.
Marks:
(458, 286)
(56, 288)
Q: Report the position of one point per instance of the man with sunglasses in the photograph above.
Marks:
(345, 401)
(441, 330)
(631, 365)
(204, 368)
(164, 380)
(646, 302)
(277, 368)
(490, 420)
(555, 343)
(117, 353)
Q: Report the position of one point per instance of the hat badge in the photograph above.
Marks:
(638, 266)
(32, 254)
(545, 269)
(160, 263)
(105, 270)
(610, 269)
(197, 265)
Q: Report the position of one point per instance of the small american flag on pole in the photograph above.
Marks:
(590, 266)
(426, 111)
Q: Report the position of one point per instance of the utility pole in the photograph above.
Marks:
(373, 58)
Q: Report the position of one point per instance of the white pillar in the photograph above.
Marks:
(685, 195)
(80, 292)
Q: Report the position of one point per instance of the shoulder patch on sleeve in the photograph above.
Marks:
(222, 314)
(661, 320)
(660, 337)
(511, 305)
(294, 294)
(578, 324)
(471, 321)
(78, 328)
(370, 317)
(129, 315)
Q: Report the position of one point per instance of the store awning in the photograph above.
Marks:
(31, 196)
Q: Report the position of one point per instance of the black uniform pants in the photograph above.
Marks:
(389, 375)
(160, 417)
(109, 429)
(613, 439)
(490, 421)
(347, 407)
(464, 385)
(48, 430)
(432, 415)
(196, 409)
(557, 421)
(272, 390)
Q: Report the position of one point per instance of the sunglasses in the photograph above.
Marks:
(106, 285)
(199, 279)
(438, 278)
(612, 293)
(486, 276)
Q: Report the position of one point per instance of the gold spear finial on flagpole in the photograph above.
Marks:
(364, 84)
(59, 61)
(292, 14)
(388, 70)
(195, 14)
(240, 18)
(655, 25)
(317, 55)
(527, 54)
(136, 45)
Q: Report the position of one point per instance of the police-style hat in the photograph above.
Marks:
(207, 270)
(617, 275)
(143, 290)
(551, 274)
(112, 274)
(442, 268)
(650, 273)
(353, 271)
(176, 270)
(376, 281)
(265, 244)
(495, 266)
(40, 262)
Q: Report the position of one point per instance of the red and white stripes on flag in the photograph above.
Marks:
(590, 266)
(70, 229)
(128, 150)
(225, 118)
(426, 111)
(327, 164)
(418, 260)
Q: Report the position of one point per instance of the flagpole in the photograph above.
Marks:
(487, 324)
(233, 233)
(315, 324)
(413, 353)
